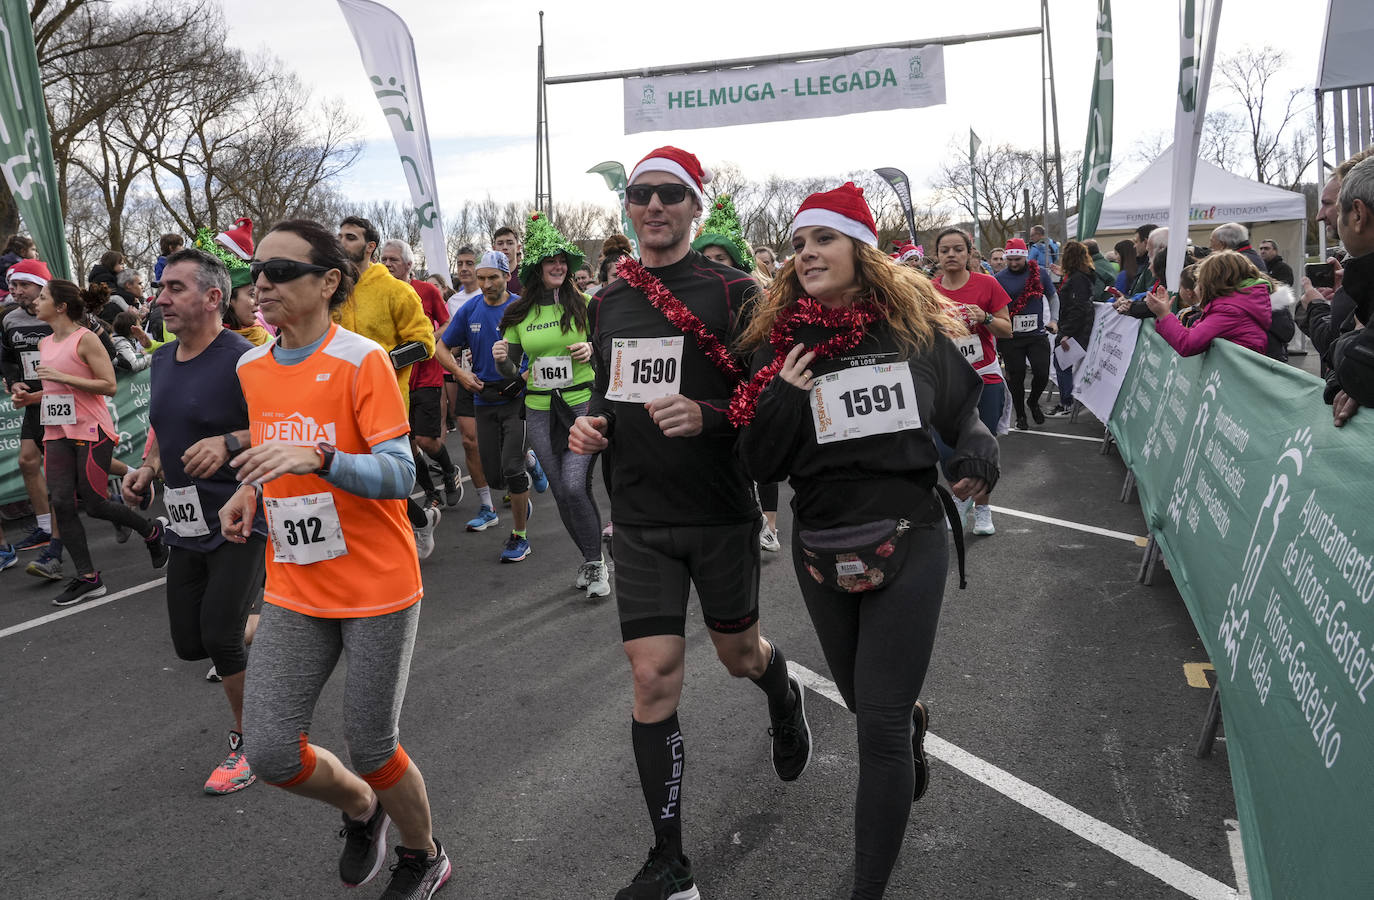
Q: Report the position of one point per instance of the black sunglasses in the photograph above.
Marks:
(279, 271)
(670, 193)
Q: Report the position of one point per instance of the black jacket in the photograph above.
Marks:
(1281, 271)
(1076, 314)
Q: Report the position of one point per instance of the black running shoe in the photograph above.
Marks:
(158, 552)
(453, 487)
(80, 588)
(920, 723)
(364, 848)
(1021, 424)
(662, 877)
(1037, 414)
(417, 877)
(792, 738)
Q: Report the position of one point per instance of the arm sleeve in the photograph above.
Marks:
(514, 355)
(599, 405)
(956, 418)
(387, 473)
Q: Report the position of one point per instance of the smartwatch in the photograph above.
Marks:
(232, 444)
(326, 452)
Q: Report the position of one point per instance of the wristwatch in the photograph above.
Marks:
(231, 443)
(326, 452)
(987, 318)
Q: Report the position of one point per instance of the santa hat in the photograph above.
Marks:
(1015, 247)
(239, 239)
(33, 270)
(843, 209)
(909, 251)
(680, 164)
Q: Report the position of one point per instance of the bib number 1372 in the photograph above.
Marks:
(864, 401)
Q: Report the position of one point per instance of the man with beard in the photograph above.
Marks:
(1034, 313)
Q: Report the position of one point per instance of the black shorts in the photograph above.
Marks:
(32, 429)
(656, 566)
(463, 405)
(425, 420)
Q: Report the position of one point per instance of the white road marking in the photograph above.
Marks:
(1177, 875)
(1077, 526)
(1238, 858)
(1056, 434)
(82, 607)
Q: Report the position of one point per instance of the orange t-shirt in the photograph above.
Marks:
(344, 394)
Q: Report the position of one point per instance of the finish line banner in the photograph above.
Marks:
(128, 408)
(1262, 507)
(854, 83)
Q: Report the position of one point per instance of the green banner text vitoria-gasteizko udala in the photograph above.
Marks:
(1263, 508)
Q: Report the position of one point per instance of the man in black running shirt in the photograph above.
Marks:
(682, 507)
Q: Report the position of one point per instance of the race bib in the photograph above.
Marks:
(971, 348)
(552, 372)
(29, 359)
(58, 409)
(1025, 324)
(184, 515)
(644, 369)
(304, 529)
(864, 401)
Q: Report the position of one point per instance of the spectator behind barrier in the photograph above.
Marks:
(1351, 383)
(1235, 306)
(1324, 315)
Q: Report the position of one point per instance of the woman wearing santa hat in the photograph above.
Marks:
(853, 374)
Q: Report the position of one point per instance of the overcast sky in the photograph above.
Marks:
(477, 68)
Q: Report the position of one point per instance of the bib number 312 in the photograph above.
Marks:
(305, 529)
(864, 401)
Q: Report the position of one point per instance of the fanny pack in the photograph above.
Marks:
(856, 559)
(502, 391)
(561, 416)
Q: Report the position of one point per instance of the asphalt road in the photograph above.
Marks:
(1057, 681)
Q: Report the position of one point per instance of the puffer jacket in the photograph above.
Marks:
(1243, 318)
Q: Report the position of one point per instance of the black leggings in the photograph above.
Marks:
(768, 496)
(82, 469)
(208, 596)
(878, 646)
(1015, 354)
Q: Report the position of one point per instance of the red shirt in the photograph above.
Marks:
(984, 292)
(429, 373)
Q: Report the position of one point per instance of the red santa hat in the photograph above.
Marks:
(34, 270)
(909, 251)
(843, 209)
(678, 163)
(1015, 247)
(239, 239)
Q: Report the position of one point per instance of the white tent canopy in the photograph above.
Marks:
(1218, 197)
(1346, 61)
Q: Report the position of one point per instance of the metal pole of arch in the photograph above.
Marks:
(1060, 215)
(543, 169)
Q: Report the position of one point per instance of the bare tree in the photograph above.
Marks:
(1267, 114)
(1003, 173)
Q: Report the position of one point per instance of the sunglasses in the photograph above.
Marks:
(670, 194)
(279, 271)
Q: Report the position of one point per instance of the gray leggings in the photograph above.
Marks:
(293, 656)
(570, 476)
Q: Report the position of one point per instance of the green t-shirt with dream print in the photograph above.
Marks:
(542, 339)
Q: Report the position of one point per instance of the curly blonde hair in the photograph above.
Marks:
(914, 309)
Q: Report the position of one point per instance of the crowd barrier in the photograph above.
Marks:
(1262, 509)
(128, 408)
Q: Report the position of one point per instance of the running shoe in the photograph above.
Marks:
(453, 487)
(158, 552)
(364, 848)
(33, 540)
(1021, 424)
(663, 876)
(424, 535)
(9, 557)
(982, 520)
(417, 877)
(791, 737)
(598, 579)
(768, 540)
(1037, 414)
(920, 724)
(1057, 410)
(433, 500)
(80, 588)
(516, 549)
(963, 508)
(486, 517)
(213, 675)
(48, 565)
(234, 774)
(537, 476)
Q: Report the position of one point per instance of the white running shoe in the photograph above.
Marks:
(982, 520)
(424, 536)
(600, 583)
(768, 540)
(964, 507)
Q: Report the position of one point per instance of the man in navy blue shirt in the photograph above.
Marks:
(1034, 310)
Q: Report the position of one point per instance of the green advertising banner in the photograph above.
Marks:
(128, 408)
(25, 142)
(1261, 507)
(1097, 152)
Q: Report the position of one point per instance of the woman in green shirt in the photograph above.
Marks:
(547, 325)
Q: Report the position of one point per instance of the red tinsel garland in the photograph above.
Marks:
(854, 320)
(676, 312)
(1033, 290)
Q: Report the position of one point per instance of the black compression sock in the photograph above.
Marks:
(658, 754)
(415, 514)
(774, 683)
(422, 476)
(444, 460)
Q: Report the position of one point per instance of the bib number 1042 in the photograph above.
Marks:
(863, 401)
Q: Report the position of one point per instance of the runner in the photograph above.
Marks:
(390, 314)
(333, 467)
(548, 326)
(78, 434)
(427, 382)
(199, 420)
(682, 506)
(460, 386)
(1034, 313)
(985, 314)
(22, 330)
(869, 547)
